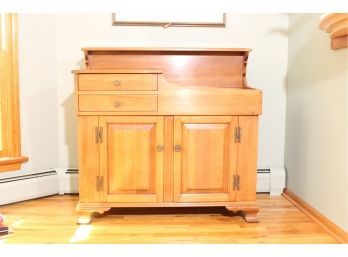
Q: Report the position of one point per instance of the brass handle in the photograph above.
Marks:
(117, 83)
(160, 148)
(117, 104)
(177, 148)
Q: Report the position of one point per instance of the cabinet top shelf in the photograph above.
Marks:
(206, 67)
(165, 49)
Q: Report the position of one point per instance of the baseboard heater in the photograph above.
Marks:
(29, 186)
(270, 180)
(65, 181)
(68, 181)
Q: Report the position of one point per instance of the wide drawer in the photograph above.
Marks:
(117, 103)
(117, 81)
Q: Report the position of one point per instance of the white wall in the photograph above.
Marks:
(317, 115)
(38, 91)
(50, 48)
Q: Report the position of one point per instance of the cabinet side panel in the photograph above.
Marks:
(247, 158)
(88, 159)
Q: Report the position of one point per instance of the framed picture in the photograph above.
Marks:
(169, 20)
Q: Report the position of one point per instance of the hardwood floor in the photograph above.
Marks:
(52, 220)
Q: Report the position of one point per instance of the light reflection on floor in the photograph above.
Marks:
(81, 233)
(11, 228)
(17, 224)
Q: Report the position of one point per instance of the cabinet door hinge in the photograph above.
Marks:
(98, 135)
(236, 182)
(238, 134)
(100, 183)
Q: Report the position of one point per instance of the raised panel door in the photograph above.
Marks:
(205, 158)
(131, 158)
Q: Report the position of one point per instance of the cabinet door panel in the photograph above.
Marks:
(130, 163)
(206, 142)
(204, 168)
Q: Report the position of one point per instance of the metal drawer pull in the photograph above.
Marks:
(177, 148)
(117, 83)
(159, 148)
(117, 104)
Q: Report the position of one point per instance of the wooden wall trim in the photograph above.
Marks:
(10, 116)
(337, 25)
(332, 229)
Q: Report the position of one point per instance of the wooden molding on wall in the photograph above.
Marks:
(337, 25)
(10, 154)
(337, 233)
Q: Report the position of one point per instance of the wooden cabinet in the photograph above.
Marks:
(152, 136)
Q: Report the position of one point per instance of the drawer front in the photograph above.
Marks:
(118, 82)
(117, 103)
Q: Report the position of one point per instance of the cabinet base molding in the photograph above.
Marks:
(85, 210)
(249, 210)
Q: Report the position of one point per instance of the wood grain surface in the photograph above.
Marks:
(52, 220)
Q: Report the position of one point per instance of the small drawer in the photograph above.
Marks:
(117, 103)
(118, 82)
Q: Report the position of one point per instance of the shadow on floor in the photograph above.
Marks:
(176, 211)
